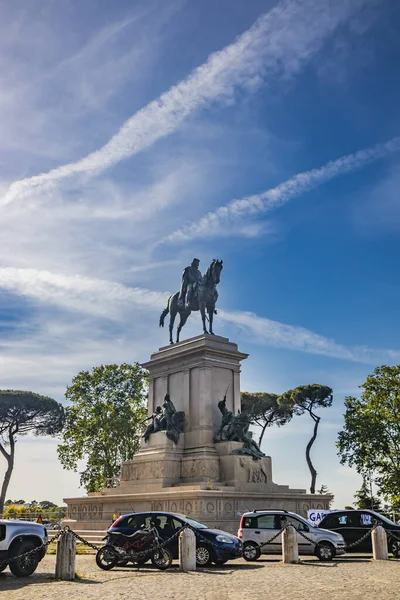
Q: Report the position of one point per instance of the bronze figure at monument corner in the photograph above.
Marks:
(166, 419)
(197, 292)
(235, 428)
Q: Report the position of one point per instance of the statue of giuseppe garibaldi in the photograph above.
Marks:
(192, 279)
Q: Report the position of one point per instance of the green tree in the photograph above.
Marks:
(307, 399)
(370, 440)
(103, 422)
(265, 410)
(46, 504)
(364, 498)
(22, 413)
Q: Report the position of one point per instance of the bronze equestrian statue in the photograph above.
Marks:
(197, 293)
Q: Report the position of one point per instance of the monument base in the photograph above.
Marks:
(196, 477)
(217, 508)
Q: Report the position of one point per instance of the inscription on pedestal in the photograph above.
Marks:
(255, 470)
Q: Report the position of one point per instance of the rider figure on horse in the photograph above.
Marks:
(191, 280)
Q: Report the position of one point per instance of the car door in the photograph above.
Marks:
(341, 524)
(364, 521)
(267, 526)
(166, 526)
(305, 547)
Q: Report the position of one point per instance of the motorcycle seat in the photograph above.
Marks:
(130, 536)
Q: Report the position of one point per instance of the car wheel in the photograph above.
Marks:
(395, 549)
(325, 551)
(251, 551)
(26, 565)
(106, 558)
(203, 556)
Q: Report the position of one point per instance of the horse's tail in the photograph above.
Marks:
(163, 315)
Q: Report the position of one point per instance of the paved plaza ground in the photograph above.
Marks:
(354, 577)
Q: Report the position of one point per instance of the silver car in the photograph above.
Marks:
(18, 537)
(260, 526)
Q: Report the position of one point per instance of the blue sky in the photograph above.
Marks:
(137, 135)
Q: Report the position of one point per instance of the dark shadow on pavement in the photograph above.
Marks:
(10, 582)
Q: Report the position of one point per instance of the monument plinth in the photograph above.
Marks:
(196, 373)
(208, 480)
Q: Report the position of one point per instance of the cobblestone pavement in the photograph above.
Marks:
(353, 577)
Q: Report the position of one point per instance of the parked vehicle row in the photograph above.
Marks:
(153, 536)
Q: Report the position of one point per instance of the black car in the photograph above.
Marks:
(212, 545)
(352, 524)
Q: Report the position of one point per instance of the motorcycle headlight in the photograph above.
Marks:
(224, 539)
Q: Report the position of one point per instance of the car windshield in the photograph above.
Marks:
(195, 524)
(385, 519)
(304, 521)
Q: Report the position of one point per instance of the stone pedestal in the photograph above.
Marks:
(157, 465)
(243, 472)
(196, 373)
(197, 476)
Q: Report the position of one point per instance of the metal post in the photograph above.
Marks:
(65, 556)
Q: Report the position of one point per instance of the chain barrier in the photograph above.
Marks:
(34, 550)
(392, 535)
(306, 537)
(143, 554)
(273, 537)
(136, 556)
(81, 539)
(362, 538)
(202, 537)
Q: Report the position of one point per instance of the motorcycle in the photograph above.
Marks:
(138, 548)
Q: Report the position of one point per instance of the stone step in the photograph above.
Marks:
(92, 536)
(193, 485)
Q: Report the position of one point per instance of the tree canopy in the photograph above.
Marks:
(23, 412)
(370, 440)
(265, 410)
(364, 499)
(307, 399)
(104, 421)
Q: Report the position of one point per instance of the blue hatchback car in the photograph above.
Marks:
(212, 545)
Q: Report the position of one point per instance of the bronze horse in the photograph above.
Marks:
(205, 299)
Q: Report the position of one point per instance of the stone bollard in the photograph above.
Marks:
(65, 556)
(290, 549)
(187, 550)
(379, 544)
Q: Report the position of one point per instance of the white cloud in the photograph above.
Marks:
(103, 229)
(115, 301)
(52, 76)
(94, 296)
(281, 335)
(280, 42)
(224, 219)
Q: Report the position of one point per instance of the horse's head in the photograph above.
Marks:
(214, 271)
